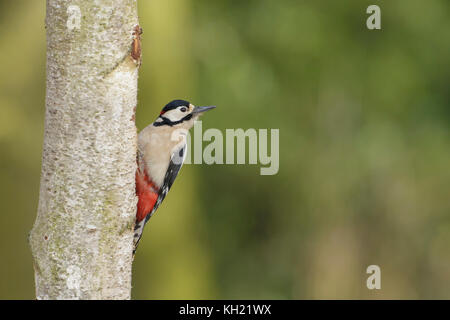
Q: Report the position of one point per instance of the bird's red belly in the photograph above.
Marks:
(147, 193)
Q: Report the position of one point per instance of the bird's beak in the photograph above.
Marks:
(202, 109)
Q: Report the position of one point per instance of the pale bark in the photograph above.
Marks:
(83, 234)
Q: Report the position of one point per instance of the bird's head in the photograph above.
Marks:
(180, 113)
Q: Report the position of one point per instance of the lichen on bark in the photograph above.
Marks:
(82, 237)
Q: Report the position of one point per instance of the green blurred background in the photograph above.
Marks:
(364, 148)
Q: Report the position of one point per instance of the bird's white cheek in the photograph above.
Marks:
(174, 115)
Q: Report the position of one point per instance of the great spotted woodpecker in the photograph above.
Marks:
(161, 152)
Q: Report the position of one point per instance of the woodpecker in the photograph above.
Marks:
(161, 153)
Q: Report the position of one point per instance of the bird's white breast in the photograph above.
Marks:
(156, 146)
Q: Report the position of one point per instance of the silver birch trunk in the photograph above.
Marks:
(83, 234)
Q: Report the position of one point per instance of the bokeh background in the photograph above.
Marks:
(364, 148)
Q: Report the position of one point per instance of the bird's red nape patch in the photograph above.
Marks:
(147, 193)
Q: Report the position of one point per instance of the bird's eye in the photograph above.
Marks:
(184, 109)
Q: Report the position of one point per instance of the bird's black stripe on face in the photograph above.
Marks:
(167, 122)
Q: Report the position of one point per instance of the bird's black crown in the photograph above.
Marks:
(175, 104)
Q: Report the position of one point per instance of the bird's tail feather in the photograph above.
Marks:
(138, 229)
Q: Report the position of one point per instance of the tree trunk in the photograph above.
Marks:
(83, 234)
